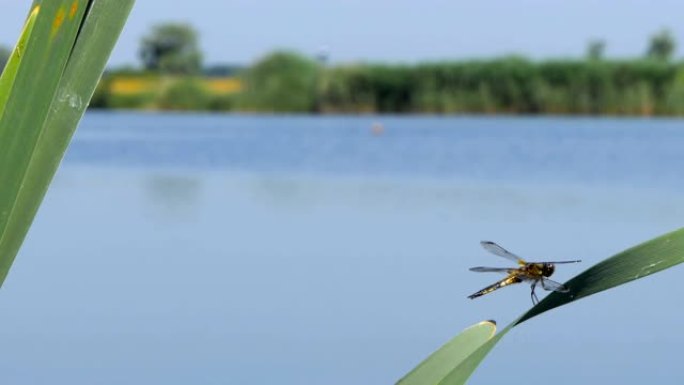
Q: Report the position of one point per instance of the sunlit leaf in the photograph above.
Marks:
(63, 58)
(443, 361)
(9, 73)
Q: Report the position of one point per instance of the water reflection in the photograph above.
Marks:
(466, 199)
(172, 196)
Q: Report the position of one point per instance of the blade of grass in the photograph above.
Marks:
(98, 35)
(637, 262)
(441, 362)
(9, 73)
(65, 56)
(38, 75)
(465, 368)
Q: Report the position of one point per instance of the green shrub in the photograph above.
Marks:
(134, 101)
(674, 96)
(506, 85)
(100, 97)
(281, 82)
(185, 94)
(222, 103)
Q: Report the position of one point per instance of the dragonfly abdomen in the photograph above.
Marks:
(504, 282)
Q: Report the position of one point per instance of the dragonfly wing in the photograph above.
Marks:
(551, 285)
(482, 269)
(501, 252)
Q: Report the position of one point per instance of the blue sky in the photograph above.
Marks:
(239, 31)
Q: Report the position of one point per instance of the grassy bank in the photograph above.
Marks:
(287, 82)
(509, 86)
(150, 91)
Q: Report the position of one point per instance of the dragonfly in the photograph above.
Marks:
(533, 272)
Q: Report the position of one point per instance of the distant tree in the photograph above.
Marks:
(596, 49)
(281, 82)
(172, 48)
(661, 46)
(4, 56)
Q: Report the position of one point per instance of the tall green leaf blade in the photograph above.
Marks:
(9, 73)
(637, 262)
(35, 85)
(99, 33)
(95, 42)
(443, 361)
(54, 83)
(467, 366)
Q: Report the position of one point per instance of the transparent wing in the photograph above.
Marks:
(550, 285)
(559, 262)
(501, 252)
(482, 269)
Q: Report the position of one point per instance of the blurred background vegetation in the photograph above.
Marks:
(172, 77)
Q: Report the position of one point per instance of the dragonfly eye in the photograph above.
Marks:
(549, 268)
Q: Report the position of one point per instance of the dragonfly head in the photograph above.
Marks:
(548, 269)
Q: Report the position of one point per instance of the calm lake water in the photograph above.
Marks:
(213, 249)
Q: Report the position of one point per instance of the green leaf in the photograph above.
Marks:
(64, 57)
(442, 362)
(637, 262)
(10, 71)
(467, 366)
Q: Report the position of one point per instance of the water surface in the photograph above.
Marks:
(213, 249)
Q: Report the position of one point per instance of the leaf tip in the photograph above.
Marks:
(491, 323)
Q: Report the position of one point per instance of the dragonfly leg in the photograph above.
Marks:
(533, 295)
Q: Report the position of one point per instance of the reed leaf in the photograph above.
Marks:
(440, 364)
(63, 57)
